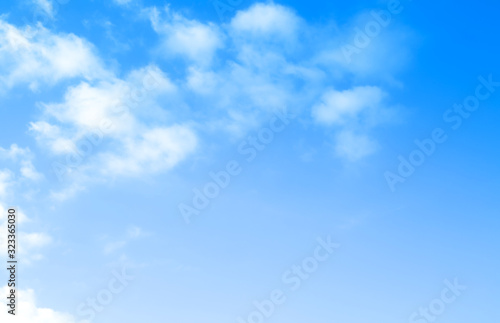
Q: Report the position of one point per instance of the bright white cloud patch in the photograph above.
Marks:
(34, 54)
(264, 69)
(153, 151)
(264, 20)
(232, 78)
(29, 312)
(186, 38)
(337, 107)
(108, 124)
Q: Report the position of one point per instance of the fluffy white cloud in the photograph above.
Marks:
(353, 112)
(22, 158)
(337, 107)
(32, 242)
(116, 115)
(34, 54)
(51, 135)
(28, 171)
(122, 2)
(13, 152)
(265, 20)
(263, 68)
(153, 151)
(186, 38)
(144, 122)
(112, 103)
(29, 312)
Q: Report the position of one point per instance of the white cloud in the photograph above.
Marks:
(353, 112)
(107, 128)
(32, 242)
(35, 240)
(155, 150)
(111, 101)
(338, 107)
(122, 2)
(13, 152)
(34, 54)
(260, 73)
(201, 81)
(149, 118)
(51, 136)
(6, 177)
(24, 158)
(28, 171)
(22, 218)
(29, 312)
(186, 38)
(265, 20)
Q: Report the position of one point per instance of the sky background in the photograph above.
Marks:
(176, 88)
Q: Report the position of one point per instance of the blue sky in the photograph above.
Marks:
(370, 124)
